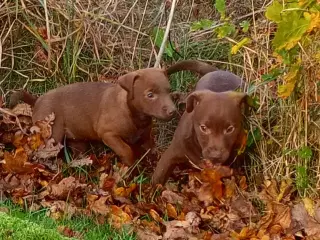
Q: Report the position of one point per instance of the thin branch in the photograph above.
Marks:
(166, 34)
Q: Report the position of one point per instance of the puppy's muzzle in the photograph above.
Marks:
(168, 112)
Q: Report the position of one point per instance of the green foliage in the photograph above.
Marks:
(225, 30)
(296, 21)
(305, 153)
(272, 75)
(157, 37)
(253, 137)
(245, 26)
(302, 179)
(201, 25)
(220, 5)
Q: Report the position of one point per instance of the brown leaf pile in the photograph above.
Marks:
(212, 204)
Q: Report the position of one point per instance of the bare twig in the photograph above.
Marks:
(166, 34)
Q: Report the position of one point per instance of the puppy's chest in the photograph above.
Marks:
(135, 136)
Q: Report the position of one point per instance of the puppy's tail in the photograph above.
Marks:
(199, 67)
(22, 95)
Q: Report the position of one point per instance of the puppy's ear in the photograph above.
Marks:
(193, 100)
(127, 82)
(239, 97)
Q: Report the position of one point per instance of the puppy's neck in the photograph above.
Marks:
(190, 136)
(139, 119)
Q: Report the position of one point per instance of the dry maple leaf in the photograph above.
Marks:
(44, 126)
(301, 218)
(59, 209)
(125, 192)
(99, 206)
(172, 197)
(145, 234)
(63, 188)
(15, 162)
(81, 162)
(182, 229)
(212, 186)
(106, 183)
(49, 150)
(22, 109)
(118, 217)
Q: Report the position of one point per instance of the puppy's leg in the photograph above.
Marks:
(122, 149)
(165, 166)
(77, 147)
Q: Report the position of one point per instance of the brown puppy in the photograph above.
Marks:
(118, 114)
(208, 129)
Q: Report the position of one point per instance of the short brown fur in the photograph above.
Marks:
(208, 129)
(118, 114)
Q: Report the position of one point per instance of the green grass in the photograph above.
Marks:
(19, 224)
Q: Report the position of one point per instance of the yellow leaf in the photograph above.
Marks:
(284, 186)
(239, 45)
(309, 205)
(314, 20)
(290, 78)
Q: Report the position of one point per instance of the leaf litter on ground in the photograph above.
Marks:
(213, 203)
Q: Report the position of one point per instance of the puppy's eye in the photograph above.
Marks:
(229, 130)
(203, 128)
(150, 95)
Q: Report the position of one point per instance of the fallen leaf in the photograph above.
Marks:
(118, 217)
(81, 162)
(243, 183)
(68, 232)
(59, 209)
(16, 163)
(153, 213)
(147, 235)
(309, 205)
(63, 188)
(49, 150)
(99, 206)
(171, 211)
(172, 197)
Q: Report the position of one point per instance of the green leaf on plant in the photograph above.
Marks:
(225, 30)
(157, 36)
(305, 153)
(272, 75)
(273, 12)
(302, 179)
(202, 24)
(254, 136)
(290, 30)
(220, 5)
(245, 26)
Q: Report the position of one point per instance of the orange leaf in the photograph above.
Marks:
(118, 217)
(155, 215)
(243, 183)
(35, 141)
(15, 163)
(171, 211)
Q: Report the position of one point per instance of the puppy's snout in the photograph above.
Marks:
(169, 110)
(216, 155)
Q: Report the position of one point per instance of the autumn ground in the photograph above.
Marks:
(272, 193)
